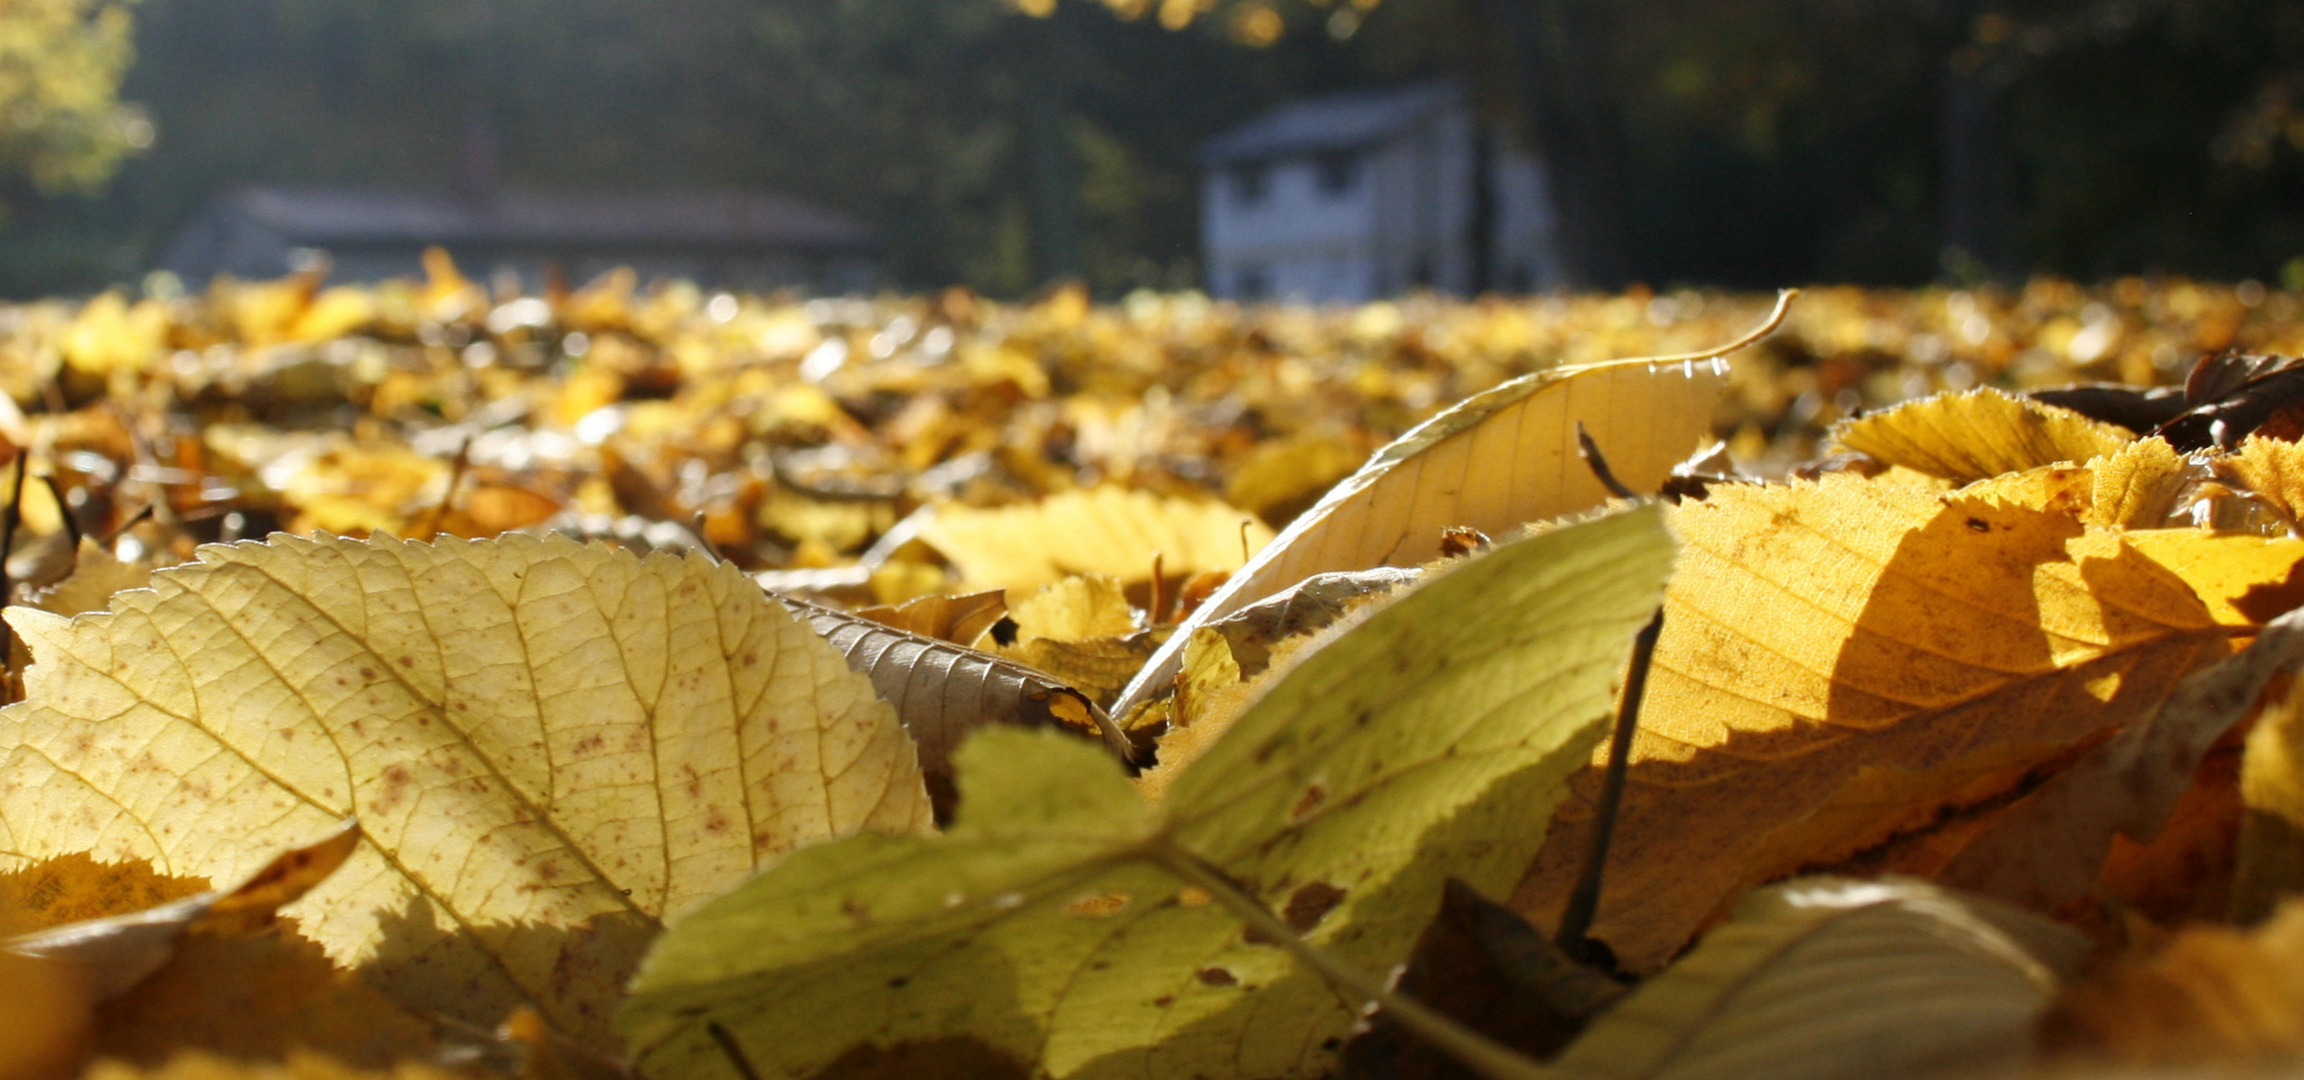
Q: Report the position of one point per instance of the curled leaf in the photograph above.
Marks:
(1824, 979)
(1977, 435)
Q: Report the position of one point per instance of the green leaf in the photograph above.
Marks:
(1430, 740)
(1825, 978)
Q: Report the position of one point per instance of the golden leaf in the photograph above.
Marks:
(1843, 660)
(1978, 435)
(957, 619)
(554, 748)
(2213, 996)
(2137, 485)
(2273, 469)
(1100, 531)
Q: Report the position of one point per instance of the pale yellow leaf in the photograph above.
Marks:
(1829, 979)
(1100, 531)
(1493, 462)
(1977, 435)
(553, 747)
(2273, 469)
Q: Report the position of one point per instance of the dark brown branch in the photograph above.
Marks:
(1584, 903)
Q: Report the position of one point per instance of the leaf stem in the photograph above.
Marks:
(1584, 902)
(1471, 1049)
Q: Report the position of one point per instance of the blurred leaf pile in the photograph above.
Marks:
(1053, 689)
(803, 433)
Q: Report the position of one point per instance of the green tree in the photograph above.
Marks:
(62, 126)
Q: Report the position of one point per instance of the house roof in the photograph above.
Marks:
(1346, 121)
(322, 217)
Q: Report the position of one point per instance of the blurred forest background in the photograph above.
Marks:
(1743, 143)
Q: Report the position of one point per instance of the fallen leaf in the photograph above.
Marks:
(1493, 462)
(1844, 660)
(1040, 931)
(2047, 850)
(553, 748)
(303, 1066)
(1082, 632)
(1305, 607)
(2136, 486)
(2235, 395)
(216, 971)
(1100, 531)
(2272, 470)
(960, 620)
(2216, 997)
(2271, 849)
(942, 692)
(1824, 978)
(96, 575)
(1978, 435)
(1486, 968)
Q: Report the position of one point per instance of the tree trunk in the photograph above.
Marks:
(1977, 200)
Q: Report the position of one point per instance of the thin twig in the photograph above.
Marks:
(431, 529)
(1584, 903)
(704, 538)
(142, 514)
(1474, 1051)
(1593, 460)
(732, 1050)
(8, 587)
(63, 510)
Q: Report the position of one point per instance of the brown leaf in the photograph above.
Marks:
(960, 620)
(942, 691)
(2213, 996)
(2047, 850)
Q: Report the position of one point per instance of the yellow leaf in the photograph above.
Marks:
(1080, 608)
(96, 575)
(298, 1066)
(554, 748)
(1100, 531)
(2137, 485)
(1843, 660)
(1978, 435)
(2271, 849)
(2271, 468)
(1493, 462)
(2244, 579)
(1053, 924)
(2214, 997)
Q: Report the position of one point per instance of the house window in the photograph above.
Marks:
(1251, 182)
(1339, 173)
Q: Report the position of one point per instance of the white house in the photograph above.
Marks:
(1351, 197)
